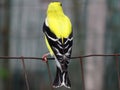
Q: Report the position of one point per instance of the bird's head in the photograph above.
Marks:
(55, 7)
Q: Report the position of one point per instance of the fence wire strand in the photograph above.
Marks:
(49, 73)
(118, 73)
(76, 58)
(25, 74)
(82, 74)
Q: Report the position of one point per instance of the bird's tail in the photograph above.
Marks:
(61, 79)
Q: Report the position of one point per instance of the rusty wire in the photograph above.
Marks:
(48, 68)
(38, 58)
(118, 73)
(50, 77)
(25, 74)
(82, 74)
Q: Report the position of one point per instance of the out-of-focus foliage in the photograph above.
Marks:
(3, 73)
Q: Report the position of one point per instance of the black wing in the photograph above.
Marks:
(62, 50)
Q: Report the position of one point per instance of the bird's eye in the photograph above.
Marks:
(60, 4)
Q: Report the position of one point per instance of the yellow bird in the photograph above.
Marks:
(58, 33)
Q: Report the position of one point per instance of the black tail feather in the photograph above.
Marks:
(67, 80)
(61, 79)
(58, 79)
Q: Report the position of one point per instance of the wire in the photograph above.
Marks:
(74, 57)
(25, 74)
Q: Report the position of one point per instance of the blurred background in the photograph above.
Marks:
(96, 28)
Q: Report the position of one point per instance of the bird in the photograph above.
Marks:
(58, 34)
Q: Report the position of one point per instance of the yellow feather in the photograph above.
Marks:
(58, 22)
(48, 46)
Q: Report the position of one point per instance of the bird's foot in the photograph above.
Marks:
(44, 57)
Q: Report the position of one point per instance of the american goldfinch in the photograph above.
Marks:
(58, 33)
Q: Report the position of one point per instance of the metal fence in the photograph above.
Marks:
(23, 58)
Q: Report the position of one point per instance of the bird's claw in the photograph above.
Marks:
(44, 58)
